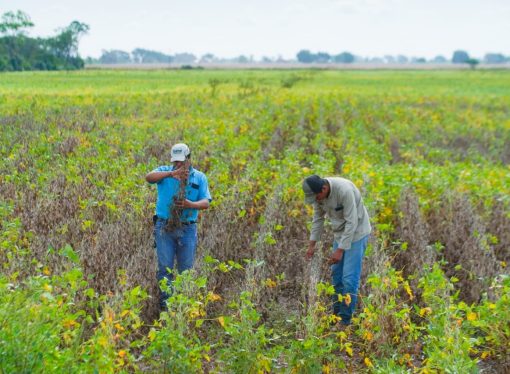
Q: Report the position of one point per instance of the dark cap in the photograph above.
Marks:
(312, 185)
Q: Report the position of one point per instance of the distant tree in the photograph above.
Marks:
(208, 57)
(242, 59)
(114, 57)
(472, 62)
(15, 24)
(460, 57)
(145, 56)
(439, 60)
(184, 58)
(305, 56)
(344, 58)
(418, 60)
(266, 60)
(494, 58)
(401, 59)
(389, 59)
(322, 57)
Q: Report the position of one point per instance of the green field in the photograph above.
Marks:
(430, 151)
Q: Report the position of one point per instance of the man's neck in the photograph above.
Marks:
(329, 189)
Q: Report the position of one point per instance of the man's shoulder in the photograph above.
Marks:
(339, 181)
(198, 174)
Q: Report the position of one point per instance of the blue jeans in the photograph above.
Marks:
(346, 276)
(178, 244)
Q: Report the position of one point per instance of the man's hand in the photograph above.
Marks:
(181, 174)
(311, 250)
(185, 204)
(336, 256)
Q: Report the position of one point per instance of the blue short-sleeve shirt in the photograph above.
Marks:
(197, 189)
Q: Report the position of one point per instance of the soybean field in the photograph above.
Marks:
(429, 150)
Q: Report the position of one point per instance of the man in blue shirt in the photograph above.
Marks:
(175, 229)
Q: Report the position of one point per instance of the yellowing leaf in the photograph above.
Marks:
(103, 342)
(409, 291)
(367, 335)
(347, 299)
(326, 369)
(471, 316)
(425, 311)
(119, 327)
(270, 283)
(348, 349)
(221, 321)
(368, 363)
(152, 335)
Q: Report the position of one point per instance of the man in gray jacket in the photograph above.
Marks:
(341, 201)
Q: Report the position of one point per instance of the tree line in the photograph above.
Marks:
(458, 57)
(20, 52)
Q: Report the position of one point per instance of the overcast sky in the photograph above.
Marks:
(228, 28)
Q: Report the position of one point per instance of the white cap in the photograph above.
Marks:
(179, 152)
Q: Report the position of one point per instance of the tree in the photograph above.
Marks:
(322, 57)
(418, 60)
(472, 62)
(460, 57)
(494, 58)
(344, 58)
(14, 24)
(184, 58)
(20, 52)
(65, 44)
(305, 56)
(401, 59)
(114, 57)
(439, 60)
(207, 58)
(145, 56)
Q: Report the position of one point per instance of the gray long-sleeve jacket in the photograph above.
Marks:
(344, 207)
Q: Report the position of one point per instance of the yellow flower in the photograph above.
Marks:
(46, 271)
(122, 353)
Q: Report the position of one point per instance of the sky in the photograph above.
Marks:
(229, 28)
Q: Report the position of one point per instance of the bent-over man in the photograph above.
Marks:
(340, 200)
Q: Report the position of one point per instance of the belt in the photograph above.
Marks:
(156, 218)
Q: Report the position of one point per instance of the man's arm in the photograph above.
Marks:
(156, 176)
(317, 229)
(186, 204)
